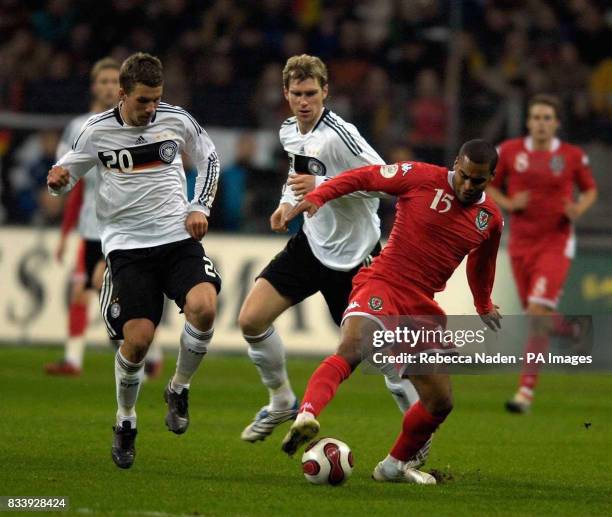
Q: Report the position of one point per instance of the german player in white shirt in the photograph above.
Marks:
(150, 234)
(326, 254)
(90, 260)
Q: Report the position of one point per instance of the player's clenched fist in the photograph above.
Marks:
(196, 225)
(58, 177)
(277, 219)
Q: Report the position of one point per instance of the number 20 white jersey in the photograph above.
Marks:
(140, 199)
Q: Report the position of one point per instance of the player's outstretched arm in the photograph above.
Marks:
(480, 271)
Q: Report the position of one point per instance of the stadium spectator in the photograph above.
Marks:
(227, 49)
(33, 202)
(233, 185)
(428, 115)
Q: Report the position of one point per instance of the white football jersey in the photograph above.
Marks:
(344, 231)
(88, 223)
(140, 199)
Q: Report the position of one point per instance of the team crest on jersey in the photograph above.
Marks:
(115, 310)
(167, 151)
(388, 171)
(482, 220)
(375, 303)
(316, 167)
(557, 164)
(521, 162)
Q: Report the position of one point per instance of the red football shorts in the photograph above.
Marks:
(540, 276)
(396, 304)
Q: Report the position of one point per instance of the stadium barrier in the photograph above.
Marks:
(34, 292)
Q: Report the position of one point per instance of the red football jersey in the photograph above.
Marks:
(550, 177)
(432, 231)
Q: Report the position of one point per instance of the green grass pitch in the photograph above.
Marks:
(55, 437)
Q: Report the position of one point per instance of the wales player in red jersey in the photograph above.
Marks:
(442, 216)
(539, 174)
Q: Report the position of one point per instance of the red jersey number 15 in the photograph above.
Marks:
(442, 201)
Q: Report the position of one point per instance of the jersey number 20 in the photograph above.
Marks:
(122, 158)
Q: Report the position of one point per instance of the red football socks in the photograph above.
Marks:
(529, 375)
(324, 382)
(77, 319)
(563, 327)
(417, 427)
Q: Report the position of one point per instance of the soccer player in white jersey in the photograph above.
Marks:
(150, 234)
(326, 254)
(81, 207)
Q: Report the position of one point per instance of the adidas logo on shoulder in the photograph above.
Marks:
(140, 140)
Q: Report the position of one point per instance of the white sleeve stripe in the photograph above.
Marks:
(212, 174)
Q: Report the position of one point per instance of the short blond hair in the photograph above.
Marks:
(103, 64)
(303, 67)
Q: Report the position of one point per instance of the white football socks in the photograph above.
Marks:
(402, 390)
(74, 349)
(267, 352)
(194, 345)
(128, 379)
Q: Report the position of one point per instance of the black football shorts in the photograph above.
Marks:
(297, 274)
(136, 280)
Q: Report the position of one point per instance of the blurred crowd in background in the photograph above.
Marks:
(416, 77)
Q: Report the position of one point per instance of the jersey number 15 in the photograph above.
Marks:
(443, 198)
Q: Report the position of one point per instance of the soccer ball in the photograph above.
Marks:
(327, 461)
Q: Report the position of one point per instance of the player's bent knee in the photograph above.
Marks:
(138, 337)
(201, 306)
(251, 323)
(201, 315)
